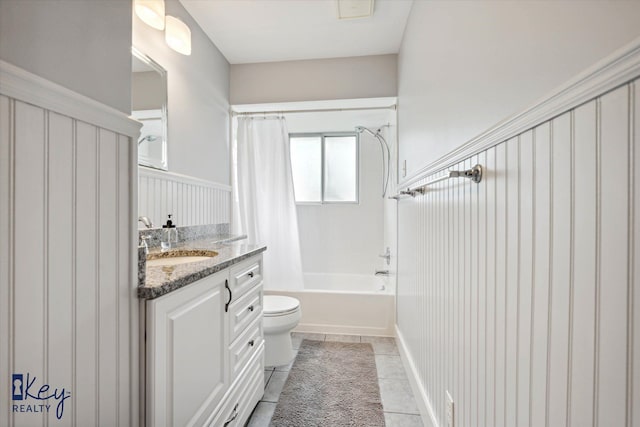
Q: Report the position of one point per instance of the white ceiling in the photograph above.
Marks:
(248, 31)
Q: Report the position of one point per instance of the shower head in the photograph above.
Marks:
(386, 155)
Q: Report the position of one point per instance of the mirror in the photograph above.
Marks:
(149, 106)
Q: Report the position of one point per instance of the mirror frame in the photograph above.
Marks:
(163, 163)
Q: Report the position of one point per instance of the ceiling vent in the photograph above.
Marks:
(353, 9)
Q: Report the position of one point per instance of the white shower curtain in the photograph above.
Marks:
(264, 207)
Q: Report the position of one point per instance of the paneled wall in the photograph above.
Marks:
(520, 295)
(67, 279)
(191, 201)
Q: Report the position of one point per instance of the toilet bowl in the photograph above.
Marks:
(281, 315)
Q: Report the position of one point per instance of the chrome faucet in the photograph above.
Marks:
(146, 221)
(382, 273)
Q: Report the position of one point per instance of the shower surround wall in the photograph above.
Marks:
(347, 238)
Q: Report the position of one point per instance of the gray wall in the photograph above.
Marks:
(198, 104)
(314, 80)
(82, 45)
(466, 65)
(148, 91)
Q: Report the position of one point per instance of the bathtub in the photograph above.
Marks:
(352, 304)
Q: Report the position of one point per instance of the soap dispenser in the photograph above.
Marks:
(169, 234)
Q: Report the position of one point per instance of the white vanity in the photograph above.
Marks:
(201, 334)
(205, 348)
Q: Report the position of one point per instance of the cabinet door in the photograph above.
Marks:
(187, 358)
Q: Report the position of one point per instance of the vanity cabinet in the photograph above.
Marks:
(205, 350)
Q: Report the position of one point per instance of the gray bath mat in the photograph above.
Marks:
(331, 384)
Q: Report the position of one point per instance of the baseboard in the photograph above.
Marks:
(343, 330)
(422, 400)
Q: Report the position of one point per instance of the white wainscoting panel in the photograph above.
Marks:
(67, 264)
(191, 201)
(520, 295)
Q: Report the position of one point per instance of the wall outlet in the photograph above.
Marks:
(404, 168)
(451, 416)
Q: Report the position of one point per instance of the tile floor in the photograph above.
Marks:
(399, 406)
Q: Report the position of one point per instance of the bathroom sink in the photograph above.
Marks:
(177, 257)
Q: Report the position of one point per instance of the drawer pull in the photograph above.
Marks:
(234, 415)
(250, 274)
(251, 343)
(250, 308)
(226, 305)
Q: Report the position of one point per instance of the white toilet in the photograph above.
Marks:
(281, 315)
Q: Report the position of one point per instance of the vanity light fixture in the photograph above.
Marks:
(178, 35)
(151, 12)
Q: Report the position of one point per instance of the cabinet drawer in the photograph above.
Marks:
(244, 311)
(241, 350)
(245, 276)
(243, 395)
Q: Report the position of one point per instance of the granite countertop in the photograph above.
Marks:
(155, 281)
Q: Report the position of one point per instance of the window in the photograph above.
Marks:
(325, 167)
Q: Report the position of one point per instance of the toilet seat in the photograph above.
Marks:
(278, 305)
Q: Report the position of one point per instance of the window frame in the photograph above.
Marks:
(322, 136)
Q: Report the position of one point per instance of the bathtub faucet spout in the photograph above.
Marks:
(382, 272)
(387, 256)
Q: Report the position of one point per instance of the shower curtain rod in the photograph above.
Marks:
(319, 110)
